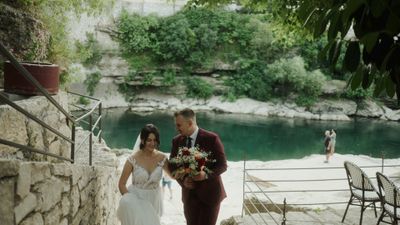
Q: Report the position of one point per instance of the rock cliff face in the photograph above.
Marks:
(22, 34)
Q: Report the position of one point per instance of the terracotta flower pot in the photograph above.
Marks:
(46, 74)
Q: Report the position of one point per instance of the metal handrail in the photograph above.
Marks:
(30, 149)
(69, 117)
(92, 126)
(32, 117)
(89, 112)
(265, 208)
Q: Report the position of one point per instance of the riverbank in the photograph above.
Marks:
(326, 109)
(233, 181)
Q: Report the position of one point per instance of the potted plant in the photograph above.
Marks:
(45, 73)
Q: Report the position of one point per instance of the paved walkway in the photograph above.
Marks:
(173, 208)
(173, 215)
(315, 217)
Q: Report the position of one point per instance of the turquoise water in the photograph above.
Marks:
(261, 138)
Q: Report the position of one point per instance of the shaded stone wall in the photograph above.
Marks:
(44, 193)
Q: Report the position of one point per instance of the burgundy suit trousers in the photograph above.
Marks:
(198, 213)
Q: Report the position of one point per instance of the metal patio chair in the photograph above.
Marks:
(390, 199)
(362, 191)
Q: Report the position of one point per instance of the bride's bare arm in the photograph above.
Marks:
(124, 177)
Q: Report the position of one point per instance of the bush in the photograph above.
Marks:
(89, 52)
(176, 38)
(313, 83)
(84, 101)
(287, 75)
(358, 94)
(198, 88)
(91, 82)
(169, 77)
(290, 77)
(136, 33)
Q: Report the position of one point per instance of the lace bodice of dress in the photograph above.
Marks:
(143, 179)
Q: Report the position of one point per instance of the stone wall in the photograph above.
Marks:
(20, 129)
(41, 190)
(43, 193)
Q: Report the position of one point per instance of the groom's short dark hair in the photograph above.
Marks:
(186, 113)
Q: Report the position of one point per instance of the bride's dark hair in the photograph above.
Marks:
(146, 131)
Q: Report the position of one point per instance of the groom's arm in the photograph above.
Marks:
(220, 164)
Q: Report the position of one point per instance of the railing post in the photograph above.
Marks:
(73, 142)
(101, 118)
(284, 212)
(383, 160)
(90, 138)
(244, 180)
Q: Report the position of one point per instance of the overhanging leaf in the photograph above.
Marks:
(351, 7)
(378, 86)
(334, 52)
(390, 87)
(324, 51)
(387, 58)
(369, 40)
(335, 25)
(367, 78)
(320, 26)
(393, 23)
(309, 17)
(352, 56)
(345, 28)
(377, 7)
(357, 78)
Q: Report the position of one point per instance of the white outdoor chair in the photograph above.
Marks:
(362, 191)
(390, 199)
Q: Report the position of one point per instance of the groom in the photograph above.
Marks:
(202, 194)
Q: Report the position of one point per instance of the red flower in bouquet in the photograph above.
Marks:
(190, 161)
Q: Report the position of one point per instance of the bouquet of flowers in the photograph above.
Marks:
(190, 161)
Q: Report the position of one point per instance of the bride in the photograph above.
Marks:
(141, 202)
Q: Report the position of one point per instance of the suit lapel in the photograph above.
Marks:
(199, 137)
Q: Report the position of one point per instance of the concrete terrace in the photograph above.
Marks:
(173, 215)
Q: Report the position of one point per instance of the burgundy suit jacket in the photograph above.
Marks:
(210, 191)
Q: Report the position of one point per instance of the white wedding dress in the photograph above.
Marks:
(142, 205)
